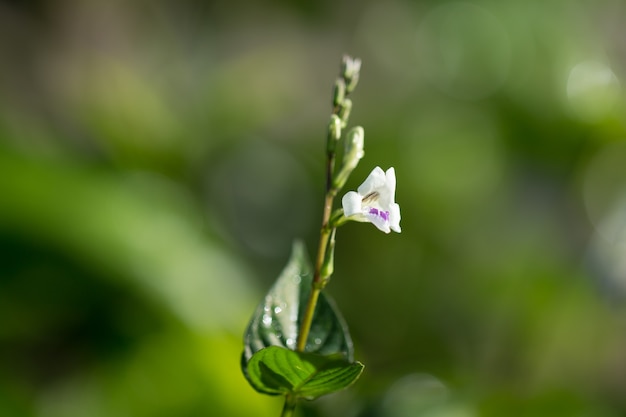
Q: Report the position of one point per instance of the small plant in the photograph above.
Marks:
(297, 344)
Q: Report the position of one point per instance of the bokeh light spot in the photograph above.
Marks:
(592, 90)
(421, 394)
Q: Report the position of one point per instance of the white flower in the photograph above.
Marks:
(374, 201)
(351, 66)
(350, 72)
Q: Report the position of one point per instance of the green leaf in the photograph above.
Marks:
(277, 370)
(277, 318)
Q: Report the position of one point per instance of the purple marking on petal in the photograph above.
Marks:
(379, 213)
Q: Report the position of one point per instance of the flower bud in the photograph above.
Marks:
(339, 92)
(344, 111)
(352, 155)
(334, 133)
(352, 82)
(350, 66)
(334, 127)
(350, 69)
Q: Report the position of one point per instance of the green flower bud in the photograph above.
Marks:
(352, 155)
(352, 83)
(344, 111)
(334, 133)
(339, 93)
(334, 127)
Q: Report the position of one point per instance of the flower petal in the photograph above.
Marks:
(378, 218)
(374, 181)
(391, 182)
(351, 203)
(394, 218)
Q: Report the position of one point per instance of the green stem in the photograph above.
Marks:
(326, 231)
(289, 407)
(317, 285)
(318, 282)
(330, 221)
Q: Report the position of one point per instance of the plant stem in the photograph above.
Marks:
(341, 112)
(289, 407)
(331, 191)
(317, 284)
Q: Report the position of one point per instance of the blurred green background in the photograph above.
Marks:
(158, 158)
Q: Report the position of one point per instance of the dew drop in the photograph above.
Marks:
(291, 343)
(278, 309)
(267, 319)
